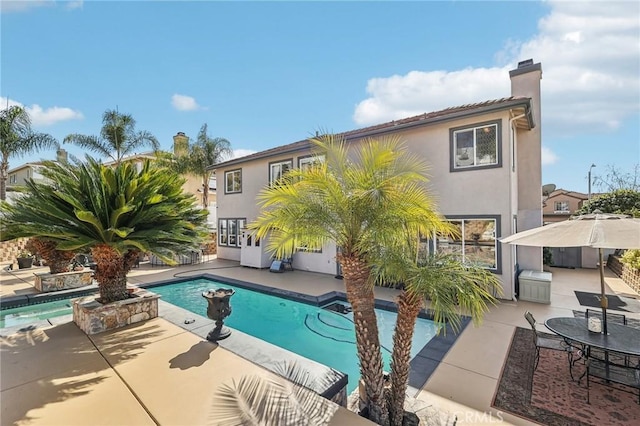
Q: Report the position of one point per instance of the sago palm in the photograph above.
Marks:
(114, 212)
(16, 139)
(452, 288)
(362, 200)
(118, 137)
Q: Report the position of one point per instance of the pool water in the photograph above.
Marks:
(321, 335)
(29, 314)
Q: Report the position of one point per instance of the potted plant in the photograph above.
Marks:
(25, 259)
(114, 213)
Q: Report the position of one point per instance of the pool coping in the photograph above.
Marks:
(422, 365)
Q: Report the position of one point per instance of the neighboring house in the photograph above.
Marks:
(18, 176)
(485, 175)
(561, 204)
(193, 184)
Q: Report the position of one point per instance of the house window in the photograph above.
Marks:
(233, 181)
(561, 207)
(229, 232)
(476, 244)
(13, 178)
(306, 249)
(279, 169)
(306, 162)
(477, 146)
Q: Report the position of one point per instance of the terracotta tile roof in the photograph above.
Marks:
(421, 119)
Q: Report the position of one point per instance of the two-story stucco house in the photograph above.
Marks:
(485, 174)
(561, 204)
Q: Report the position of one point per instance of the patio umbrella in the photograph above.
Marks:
(597, 230)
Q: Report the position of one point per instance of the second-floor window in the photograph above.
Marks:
(307, 162)
(279, 169)
(233, 181)
(477, 146)
(13, 178)
(561, 207)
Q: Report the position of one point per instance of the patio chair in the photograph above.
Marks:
(549, 341)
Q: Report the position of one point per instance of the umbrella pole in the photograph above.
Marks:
(604, 303)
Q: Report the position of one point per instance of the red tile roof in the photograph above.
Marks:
(417, 120)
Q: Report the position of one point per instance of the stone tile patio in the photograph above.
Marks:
(158, 373)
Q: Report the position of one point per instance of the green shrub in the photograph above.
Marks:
(631, 258)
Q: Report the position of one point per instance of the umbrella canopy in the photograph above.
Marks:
(597, 230)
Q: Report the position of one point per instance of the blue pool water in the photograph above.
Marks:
(315, 333)
(29, 314)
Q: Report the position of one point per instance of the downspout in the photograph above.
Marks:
(512, 150)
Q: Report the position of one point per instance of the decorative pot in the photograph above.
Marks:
(25, 262)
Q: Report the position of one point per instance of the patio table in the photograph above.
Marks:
(621, 339)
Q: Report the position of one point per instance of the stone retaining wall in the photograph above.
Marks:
(63, 281)
(630, 276)
(93, 317)
(9, 249)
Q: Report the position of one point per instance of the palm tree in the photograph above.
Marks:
(450, 286)
(115, 212)
(16, 139)
(363, 205)
(205, 152)
(118, 137)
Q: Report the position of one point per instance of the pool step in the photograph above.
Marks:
(331, 326)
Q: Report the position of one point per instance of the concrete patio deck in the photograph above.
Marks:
(158, 373)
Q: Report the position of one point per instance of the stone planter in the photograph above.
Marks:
(93, 317)
(63, 281)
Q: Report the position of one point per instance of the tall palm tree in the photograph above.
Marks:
(451, 287)
(118, 137)
(114, 212)
(16, 139)
(205, 152)
(363, 205)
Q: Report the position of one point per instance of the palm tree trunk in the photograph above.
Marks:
(4, 175)
(360, 296)
(111, 272)
(409, 306)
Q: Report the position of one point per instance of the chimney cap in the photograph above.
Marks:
(525, 63)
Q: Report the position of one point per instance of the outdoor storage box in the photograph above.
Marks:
(535, 286)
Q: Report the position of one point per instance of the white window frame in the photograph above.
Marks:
(229, 186)
(564, 207)
(229, 234)
(474, 163)
(310, 160)
(276, 169)
(439, 242)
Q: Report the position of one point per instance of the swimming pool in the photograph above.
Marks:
(319, 334)
(25, 315)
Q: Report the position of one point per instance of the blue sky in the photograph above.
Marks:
(263, 74)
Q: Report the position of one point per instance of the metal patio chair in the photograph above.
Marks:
(549, 341)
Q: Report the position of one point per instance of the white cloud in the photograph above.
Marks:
(590, 55)
(44, 117)
(74, 4)
(418, 92)
(548, 157)
(8, 6)
(184, 103)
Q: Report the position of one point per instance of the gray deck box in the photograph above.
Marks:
(535, 286)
